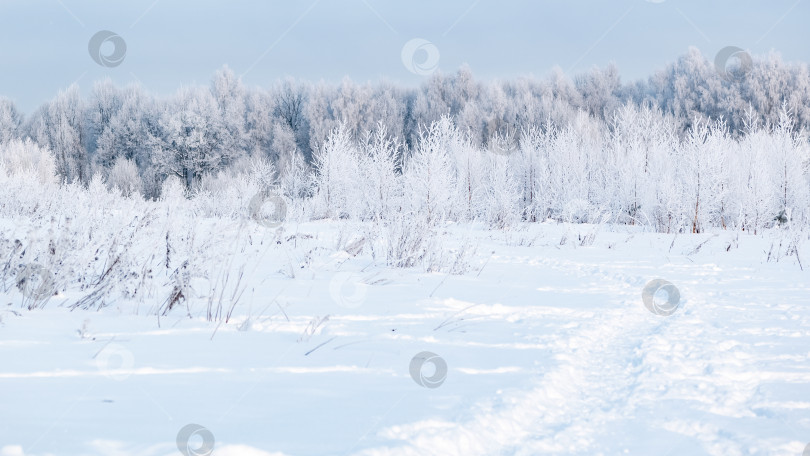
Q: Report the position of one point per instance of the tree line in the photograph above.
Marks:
(554, 147)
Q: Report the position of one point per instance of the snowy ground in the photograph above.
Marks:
(548, 346)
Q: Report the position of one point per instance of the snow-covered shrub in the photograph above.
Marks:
(405, 239)
(25, 159)
(173, 191)
(576, 211)
(125, 177)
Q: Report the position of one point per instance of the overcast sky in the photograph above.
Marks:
(169, 43)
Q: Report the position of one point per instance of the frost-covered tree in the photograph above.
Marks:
(533, 173)
(499, 201)
(429, 176)
(294, 177)
(700, 162)
(351, 107)
(131, 131)
(751, 186)
(284, 144)
(11, 121)
(105, 102)
(259, 122)
(60, 126)
(388, 108)
(320, 114)
(600, 91)
(289, 105)
(469, 166)
(336, 165)
(229, 133)
(788, 160)
(378, 170)
(189, 144)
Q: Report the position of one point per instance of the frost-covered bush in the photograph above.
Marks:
(125, 177)
(405, 239)
(26, 160)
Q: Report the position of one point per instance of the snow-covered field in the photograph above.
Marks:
(548, 349)
(434, 264)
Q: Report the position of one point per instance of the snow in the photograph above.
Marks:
(548, 345)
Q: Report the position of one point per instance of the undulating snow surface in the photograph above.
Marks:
(548, 346)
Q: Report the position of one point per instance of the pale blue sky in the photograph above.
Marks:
(43, 43)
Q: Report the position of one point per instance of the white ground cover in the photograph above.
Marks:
(548, 346)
